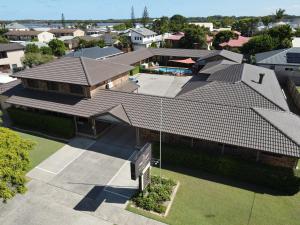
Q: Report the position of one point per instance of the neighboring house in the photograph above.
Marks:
(67, 32)
(285, 62)
(10, 56)
(96, 53)
(240, 111)
(173, 40)
(144, 38)
(296, 42)
(40, 36)
(235, 43)
(209, 26)
(16, 27)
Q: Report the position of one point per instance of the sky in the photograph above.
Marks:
(120, 9)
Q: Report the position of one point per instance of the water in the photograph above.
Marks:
(174, 70)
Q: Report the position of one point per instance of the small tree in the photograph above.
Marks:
(279, 14)
(14, 163)
(297, 33)
(45, 50)
(58, 47)
(267, 20)
(35, 59)
(257, 44)
(145, 17)
(194, 35)
(3, 40)
(223, 36)
(177, 23)
(32, 48)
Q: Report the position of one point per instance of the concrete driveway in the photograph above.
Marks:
(85, 182)
(161, 85)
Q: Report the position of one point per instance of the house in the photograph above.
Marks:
(16, 27)
(96, 53)
(173, 40)
(10, 56)
(40, 36)
(285, 62)
(209, 26)
(238, 110)
(67, 32)
(144, 38)
(235, 43)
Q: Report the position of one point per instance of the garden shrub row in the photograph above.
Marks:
(62, 127)
(282, 179)
(136, 70)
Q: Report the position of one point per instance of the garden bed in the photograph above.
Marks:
(157, 198)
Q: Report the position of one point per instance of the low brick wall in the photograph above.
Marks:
(217, 148)
(294, 92)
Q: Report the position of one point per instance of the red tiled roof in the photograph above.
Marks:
(236, 42)
(175, 37)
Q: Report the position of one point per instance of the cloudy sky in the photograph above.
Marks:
(106, 9)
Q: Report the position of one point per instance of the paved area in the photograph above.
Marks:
(85, 182)
(161, 85)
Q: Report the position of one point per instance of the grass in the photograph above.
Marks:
(205, 202)
(43, 149)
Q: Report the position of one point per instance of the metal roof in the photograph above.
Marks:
(15, 25)
(11, 47)
(235, 57)
(245, 127)
(143, 31)
(276, 57)
(249, 75)
(82, 71)
(95, 52)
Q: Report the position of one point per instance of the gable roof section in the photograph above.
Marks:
(60, 31)
(249, 75)
(95, 52)
(213, 122)
(15, 25)
(215, 66)
(117, 112)
(276, 57)
(23, 33)
(131, 58)
(82, 71)
(235, 57)
(143, 31)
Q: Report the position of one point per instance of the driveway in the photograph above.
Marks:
(161, 85)
(85, 182)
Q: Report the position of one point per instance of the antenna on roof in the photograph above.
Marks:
(261, 77)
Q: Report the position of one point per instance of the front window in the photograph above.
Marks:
(76, 89)
(3, 55)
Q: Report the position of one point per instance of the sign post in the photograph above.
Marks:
(140, 166)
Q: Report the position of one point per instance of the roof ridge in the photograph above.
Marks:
(85, 69)
(255, 109)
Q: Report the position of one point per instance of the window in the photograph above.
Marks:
(3, 55)
(76, 89)
(33, 83)
(289, 69)
(52, 86)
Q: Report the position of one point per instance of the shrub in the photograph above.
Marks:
(53, 125)
(136, 70)
(279, 178)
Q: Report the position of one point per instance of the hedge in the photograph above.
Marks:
(279, 178)
(151, 71)
(53, 125)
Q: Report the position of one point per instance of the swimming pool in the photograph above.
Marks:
(174, 70)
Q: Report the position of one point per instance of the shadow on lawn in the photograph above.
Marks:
(226, 180)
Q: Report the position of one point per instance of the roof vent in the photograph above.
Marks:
(261, 77)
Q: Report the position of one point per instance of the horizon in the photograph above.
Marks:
(116, 10)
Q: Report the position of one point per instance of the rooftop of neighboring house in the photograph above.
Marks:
(236, 43)
(63, 31)
(23, 33)
(15, 26)
(175, 37)
(11, 47)
(290, 56)
(95, 52)
(143, 31)
(75, 70)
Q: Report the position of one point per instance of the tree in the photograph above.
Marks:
(267, 20)
(14, 163)
(297, 33)
(93, 43)
(246, 26)
(194, 35)
(124, 42)
(3, 40)
(279, 14)
(58, 47)
(63, 22)
(133, 22)
(223, 36)
(257, 44)
(177, 23)
(32, 48)
(35, 59)
(120, 27)
(282, 35)
(161, 25)
(153, 45)
(45, 50)
(145, 17)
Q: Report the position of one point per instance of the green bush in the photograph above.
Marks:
(50, 124)
(283, 179)
(136, 70)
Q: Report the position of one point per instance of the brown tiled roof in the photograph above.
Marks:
(245, 127)
(75, 70)
(11, 47)
(23, 33)
(60, 31)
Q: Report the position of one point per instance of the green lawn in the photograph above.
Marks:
(43, 149)
(200, 201)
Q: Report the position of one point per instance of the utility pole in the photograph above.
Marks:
(63, 23)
